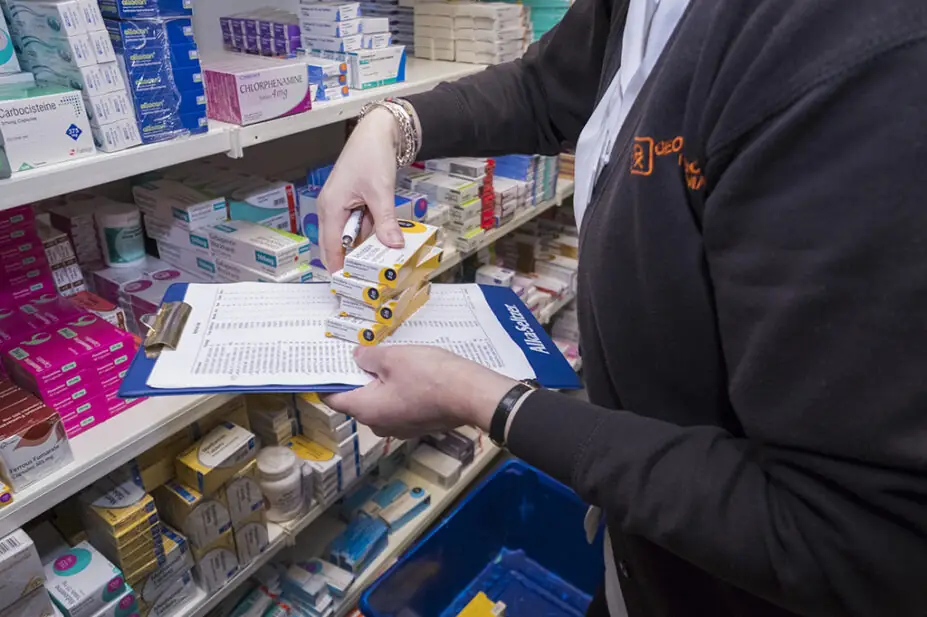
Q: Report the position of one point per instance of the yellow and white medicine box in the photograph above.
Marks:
(376, 294)
(156, 466)
(234, 411)
(20, 568)
(133, 558)
(266, 249)
(310, 405)
(386, 314)
(209, 463)
(324, 463)
(150, 587)
(356, 330)
(116, 505)
(242, 494)
(200, 518)
(374, 261)
(482, 606)
(216, 564)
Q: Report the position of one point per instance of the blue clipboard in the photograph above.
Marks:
(550, 367)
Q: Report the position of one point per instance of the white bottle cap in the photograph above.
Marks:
(276, 462)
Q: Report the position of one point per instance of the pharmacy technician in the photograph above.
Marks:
(751, 194)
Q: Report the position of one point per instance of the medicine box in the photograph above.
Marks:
(218, 456)
(126, 604)
(334, 29)
(200, 518)
(269, 250)
(145, 9)
(242, 494)
(32, 440)
(21, 571)
(329, 11)
(46, 18)
(43, 125)
(373, 261)
(436, 467)
(9, 62)
(116, 136)
(310, 405)
(193, 262)
(117, 505)
(150, 34)
(251, 539)
(372, 68)
(232, 272)
(67, 52)
(216, 563)
(244, 90)
(378, 40)
(333, 43)
(82, 581)
(170, 200)
(162, 592)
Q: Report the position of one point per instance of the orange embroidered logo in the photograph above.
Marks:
(645, 149)
(642, 156)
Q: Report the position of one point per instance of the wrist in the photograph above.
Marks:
(483, 397)
(384, 121)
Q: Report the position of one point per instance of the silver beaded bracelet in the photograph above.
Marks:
(410, 141)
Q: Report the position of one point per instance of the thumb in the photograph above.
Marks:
(386, 226)
(358, 404)
(372, 359)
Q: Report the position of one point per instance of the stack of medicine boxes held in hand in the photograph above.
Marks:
(159, 60)
(380, 287)
(339, 31)
(66, 44)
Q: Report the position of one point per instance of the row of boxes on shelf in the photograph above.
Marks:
(187, 514)
(135, 81)
(474, 32)
(314, 577)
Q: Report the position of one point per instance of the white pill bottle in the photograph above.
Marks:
(119, 227)
(281, 483)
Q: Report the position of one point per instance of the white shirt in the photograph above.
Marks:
(648, 28)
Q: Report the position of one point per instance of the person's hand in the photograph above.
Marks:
(365, 175)
(420, 390)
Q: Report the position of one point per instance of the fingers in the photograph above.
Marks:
(332, 218)
(361, 404)
(373, 359)
(382, 206)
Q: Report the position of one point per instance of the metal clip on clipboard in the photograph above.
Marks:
(165, 327)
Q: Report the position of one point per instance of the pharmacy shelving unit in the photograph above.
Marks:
(453, 257)
(119, 440)
(421, 75)
(325, 526)
(29, 186)
(105, 448)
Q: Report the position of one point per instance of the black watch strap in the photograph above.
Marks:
(503, 410)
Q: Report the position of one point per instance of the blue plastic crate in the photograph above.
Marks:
(516, 512)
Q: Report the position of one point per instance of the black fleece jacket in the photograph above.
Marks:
(753, 300)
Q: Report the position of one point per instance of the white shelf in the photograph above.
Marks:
(421, 75)
(106, 447)
(452, 257)
(313, 543)
(28, 186)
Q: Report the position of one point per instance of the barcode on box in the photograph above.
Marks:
(9, 544)
(280, 201)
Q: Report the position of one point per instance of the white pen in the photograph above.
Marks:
(352, 228)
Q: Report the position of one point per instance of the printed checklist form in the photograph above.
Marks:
(253, 337)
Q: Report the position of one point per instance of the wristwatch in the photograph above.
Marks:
(504, 409)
